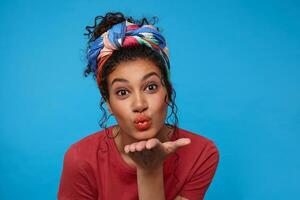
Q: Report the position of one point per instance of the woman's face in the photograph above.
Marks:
(137, 99)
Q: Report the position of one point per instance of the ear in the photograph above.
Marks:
(167, 100)
(109, 108)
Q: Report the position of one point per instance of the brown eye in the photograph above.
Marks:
(151, 87)
(122, 92)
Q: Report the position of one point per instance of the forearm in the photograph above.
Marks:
(151, 184)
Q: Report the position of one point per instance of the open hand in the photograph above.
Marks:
(150, 154)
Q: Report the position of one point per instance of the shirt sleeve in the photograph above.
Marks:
(74, 183)
(202, 173)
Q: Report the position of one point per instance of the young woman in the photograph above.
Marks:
(142, 156)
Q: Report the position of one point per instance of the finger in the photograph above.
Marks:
(152, 143)
(126, 149)
(173, 145)
(132, 147)
(182, 142)
(141, 146)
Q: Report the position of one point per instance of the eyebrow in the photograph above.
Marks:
(126, 81)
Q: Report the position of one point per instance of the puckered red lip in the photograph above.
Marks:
(141, 119)
(142, 122)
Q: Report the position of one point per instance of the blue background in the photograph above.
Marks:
(235, 66)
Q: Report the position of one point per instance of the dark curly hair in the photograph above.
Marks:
(101, 25)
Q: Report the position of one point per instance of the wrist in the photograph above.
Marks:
(151, 171)
(150, 183)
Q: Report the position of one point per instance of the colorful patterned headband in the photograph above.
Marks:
(125, 34)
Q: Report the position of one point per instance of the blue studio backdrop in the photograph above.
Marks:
(234, 65)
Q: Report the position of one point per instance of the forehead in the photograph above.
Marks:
(133, 71)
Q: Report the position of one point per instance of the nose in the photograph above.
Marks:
(139, 103)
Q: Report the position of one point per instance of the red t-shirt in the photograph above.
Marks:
(94, 169)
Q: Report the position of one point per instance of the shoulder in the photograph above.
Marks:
(78, 179)
(200, 146)
(86, 148)
(197, 164)
(196, 139)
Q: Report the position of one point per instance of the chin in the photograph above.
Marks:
(145, 135)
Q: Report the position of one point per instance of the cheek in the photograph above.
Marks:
(118, 108)
(159, 104)
(121, 115)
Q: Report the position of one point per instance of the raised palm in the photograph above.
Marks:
(151, 153)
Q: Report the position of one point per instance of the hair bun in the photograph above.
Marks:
(103, 23)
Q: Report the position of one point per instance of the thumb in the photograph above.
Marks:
(182, 142)
(171, 147)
